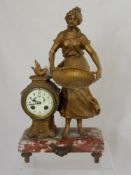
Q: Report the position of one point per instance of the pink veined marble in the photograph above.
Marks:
(93, 142)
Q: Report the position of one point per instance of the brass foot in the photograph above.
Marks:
(26, 156)
(96, 156)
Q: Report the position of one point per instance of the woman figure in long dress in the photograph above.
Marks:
(75, 103)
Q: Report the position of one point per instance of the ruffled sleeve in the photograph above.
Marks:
(59, 39)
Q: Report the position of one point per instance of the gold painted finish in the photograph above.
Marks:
(73, 73)
(44, 126)
(73, 78)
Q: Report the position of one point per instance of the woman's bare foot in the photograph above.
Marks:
(82, 131)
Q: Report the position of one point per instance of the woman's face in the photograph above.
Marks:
(72, 21)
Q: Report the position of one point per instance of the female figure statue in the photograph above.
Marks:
(75, 103)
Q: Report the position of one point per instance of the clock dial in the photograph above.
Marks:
(40, 102)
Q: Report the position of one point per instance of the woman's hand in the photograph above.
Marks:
(95, 59)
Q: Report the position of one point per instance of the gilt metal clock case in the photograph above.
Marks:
(40, 99)
(43, 108)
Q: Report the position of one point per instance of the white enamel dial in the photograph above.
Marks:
(40, 102)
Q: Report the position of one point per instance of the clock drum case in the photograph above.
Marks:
(39, 100)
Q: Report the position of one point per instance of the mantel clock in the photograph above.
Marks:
(40, 100)
(74, 99)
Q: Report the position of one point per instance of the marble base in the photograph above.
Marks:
(92, 143)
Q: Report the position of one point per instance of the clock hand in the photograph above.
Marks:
(37, 102)
(32, 103)
(34, 100)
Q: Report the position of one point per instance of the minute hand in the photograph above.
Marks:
(37, 102)
(32, 104)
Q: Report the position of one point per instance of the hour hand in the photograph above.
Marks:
(37, 102)
(34, 100)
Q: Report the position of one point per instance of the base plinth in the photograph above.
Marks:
(91, 143)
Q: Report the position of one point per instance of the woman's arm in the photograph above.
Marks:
(95, 59)
(55, 47)
(52, 52)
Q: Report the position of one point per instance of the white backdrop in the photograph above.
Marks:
(27, 30)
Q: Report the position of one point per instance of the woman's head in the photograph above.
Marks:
(74, 17)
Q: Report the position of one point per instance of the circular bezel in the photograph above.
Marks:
(34, 116)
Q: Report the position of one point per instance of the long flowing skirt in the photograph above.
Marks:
(77, 103)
